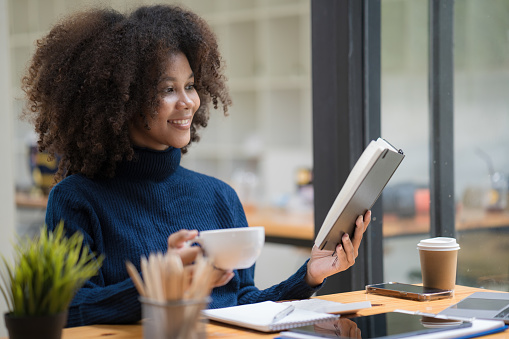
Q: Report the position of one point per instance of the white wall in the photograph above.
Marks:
(7, 206)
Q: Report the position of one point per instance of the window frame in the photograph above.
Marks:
(346, 90)
(346, 115)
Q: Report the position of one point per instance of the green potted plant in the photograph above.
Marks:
(41, 282)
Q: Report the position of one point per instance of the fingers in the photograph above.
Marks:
(188, 254)
(178, 239)
(361, 225)
(324, 263)
(355, 332)
(347, 252)
(349, 329)
(367, 219)
(222, 277)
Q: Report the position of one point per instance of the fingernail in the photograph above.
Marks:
(345, 236)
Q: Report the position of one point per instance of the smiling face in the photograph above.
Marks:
(178, 100)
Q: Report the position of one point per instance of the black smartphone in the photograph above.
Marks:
(409, 291)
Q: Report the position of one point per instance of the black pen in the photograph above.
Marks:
(280, 315)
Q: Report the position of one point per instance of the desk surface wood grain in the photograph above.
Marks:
(380, 304)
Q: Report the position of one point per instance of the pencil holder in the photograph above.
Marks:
(179, 319)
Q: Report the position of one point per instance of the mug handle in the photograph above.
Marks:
(197, 240)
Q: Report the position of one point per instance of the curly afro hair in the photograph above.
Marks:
(98, 70)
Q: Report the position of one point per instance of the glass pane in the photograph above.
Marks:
(481, 122)
(405, 114)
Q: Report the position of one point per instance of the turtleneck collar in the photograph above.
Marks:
(150, 164)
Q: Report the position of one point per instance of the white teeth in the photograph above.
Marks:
(180, 122)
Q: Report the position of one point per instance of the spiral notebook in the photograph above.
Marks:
(263, 316)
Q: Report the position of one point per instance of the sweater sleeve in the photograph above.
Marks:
(96, 302)
(112, 304)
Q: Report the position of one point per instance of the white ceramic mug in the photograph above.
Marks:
(232, 248)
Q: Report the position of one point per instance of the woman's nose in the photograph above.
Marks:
(184, 101)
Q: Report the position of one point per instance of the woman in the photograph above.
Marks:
(120, 98)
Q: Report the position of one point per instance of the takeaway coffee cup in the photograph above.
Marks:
(439, 259)
(232, 248)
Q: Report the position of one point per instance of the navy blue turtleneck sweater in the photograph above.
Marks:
(132, 215)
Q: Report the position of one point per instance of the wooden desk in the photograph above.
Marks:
(27, 200)
(380, 304)
(300, 225)
(281, 225)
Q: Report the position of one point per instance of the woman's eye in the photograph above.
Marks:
(190, 86)
(169, 90)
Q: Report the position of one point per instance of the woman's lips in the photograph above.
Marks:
(180, 123)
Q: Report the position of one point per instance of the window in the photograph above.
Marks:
(461, 132)
(480, 157)
(405, 123)
(481, 141)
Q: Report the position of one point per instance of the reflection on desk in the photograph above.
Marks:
(381, 304)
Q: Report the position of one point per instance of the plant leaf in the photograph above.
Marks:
(47, 272)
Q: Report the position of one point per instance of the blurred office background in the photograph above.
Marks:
(264, 148)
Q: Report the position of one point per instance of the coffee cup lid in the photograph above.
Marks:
(438, 244)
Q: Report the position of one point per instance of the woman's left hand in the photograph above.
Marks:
(324, 263)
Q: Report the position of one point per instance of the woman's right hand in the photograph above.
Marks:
(222, 277)
(179, 241)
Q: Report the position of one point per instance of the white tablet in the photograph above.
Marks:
(391, 325)
(481, 305)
